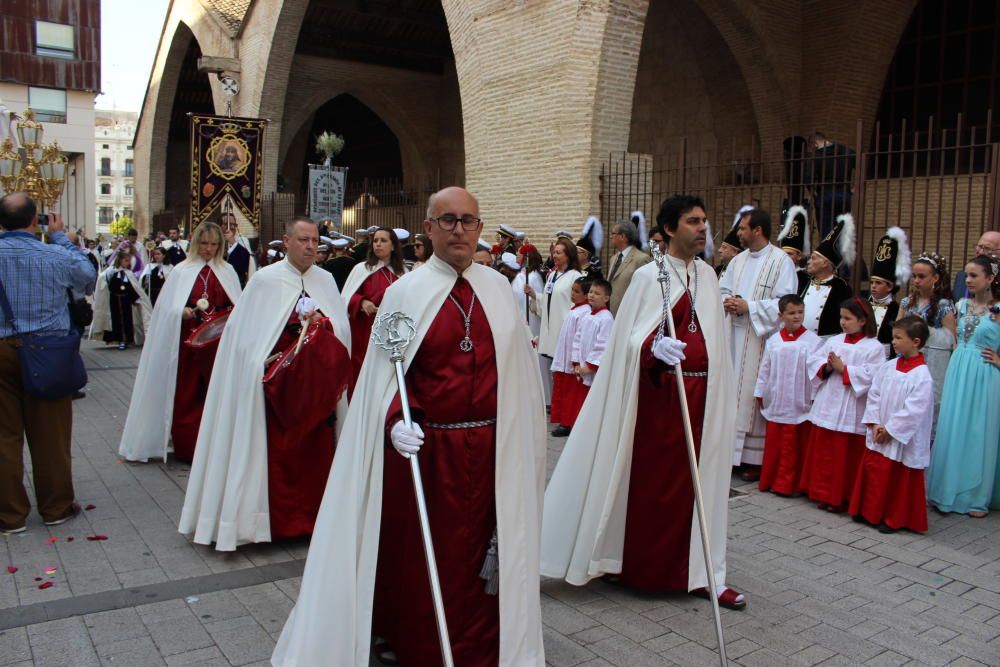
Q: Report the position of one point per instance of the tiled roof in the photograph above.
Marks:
(229, 13)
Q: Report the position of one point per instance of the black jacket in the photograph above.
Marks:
(829, 319)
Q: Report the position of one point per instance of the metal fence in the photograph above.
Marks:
(938, 184)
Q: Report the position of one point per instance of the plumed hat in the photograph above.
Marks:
(639, 220)
(795, 232)
(892, 257)
(592, 237)
(838, 246)
(732, 239)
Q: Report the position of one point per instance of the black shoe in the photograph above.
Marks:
(887, 529)
(73, 511)
(122, 346)
(77, 395)
(560, 431)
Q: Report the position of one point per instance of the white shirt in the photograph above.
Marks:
(838, 406)
(562, 357)
(815, 299)
(591, 339)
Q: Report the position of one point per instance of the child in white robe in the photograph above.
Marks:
(784, 394)
(889, 492)
(563, 378)
(589, 344)
(842, 371)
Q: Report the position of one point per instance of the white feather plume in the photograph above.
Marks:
(746, 208)
(593, 229)
(904, 256)
(641, 228)
(709, 241)
(845, 241)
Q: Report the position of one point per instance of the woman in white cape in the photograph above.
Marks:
(555, 303)
(331, 622)
(151, 410)
(365, 287)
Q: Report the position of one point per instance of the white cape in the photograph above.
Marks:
(583, 532)
(331, 622)
(226, 497)
(151, 410)
(142, 310)
(555, 308)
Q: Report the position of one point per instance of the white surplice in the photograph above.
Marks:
(562, 357)
(525, 305)
(902, 402)
(586, 503)
(331, 621)
(761, 278)
(142, 309)
(226, 497)
(555, 302)
(783, 383)
(151, 410)
(838, 406)
(591, 340)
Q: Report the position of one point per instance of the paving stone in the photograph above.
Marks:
(241, 639)
(630, 624)
(889, 659)
(914, 648)
(114, 626)
(561, 651)
(130, 652)
(564, 618)
(201, 657)
(14, 646)
(217, 606)
(812, 655)
(620, 650)
(965, 646)
(178, 633)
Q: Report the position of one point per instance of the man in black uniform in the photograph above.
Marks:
(821, 288)
(830, 177)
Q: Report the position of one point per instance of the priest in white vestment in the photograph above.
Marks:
(227, 500)
(754, 282)
(481, 470)
(620, 500)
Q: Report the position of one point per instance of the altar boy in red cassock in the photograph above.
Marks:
(784, 393)
(889, 491)
(479, 437)
(620, 500)
(268, 433)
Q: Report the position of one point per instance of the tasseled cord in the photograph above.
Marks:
(490, 571)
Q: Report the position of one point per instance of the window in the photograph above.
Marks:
(129, 190)
(105, 146)
(129, 167)
(104, 215)
(49, 104)
(128, 213)
(105, 166)
(55, 40)
(105, 188)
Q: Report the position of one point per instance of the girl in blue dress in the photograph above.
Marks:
(963, 470)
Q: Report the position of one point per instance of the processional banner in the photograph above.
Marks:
(326, 193)
(226, 159)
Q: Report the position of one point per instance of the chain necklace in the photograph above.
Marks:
(465, 345)
(693, 324)
(971, 318)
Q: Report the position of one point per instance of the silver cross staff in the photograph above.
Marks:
(393, 332)
(668, 322)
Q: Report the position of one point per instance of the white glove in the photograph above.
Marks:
(305, 307)
(406, 440)
(669, 350)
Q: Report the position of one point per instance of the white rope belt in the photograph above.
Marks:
(695, 374)
(458, 425)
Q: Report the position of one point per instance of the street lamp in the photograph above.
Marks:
(40, 171)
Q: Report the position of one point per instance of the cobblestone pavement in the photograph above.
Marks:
(821, 589)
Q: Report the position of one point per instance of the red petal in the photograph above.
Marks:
(97, 538)
(38, 578)
(47, 584)
(53, 539)
(11, 569)
(69, 539)
(91, 506)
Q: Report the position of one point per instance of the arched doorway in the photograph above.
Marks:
(193, 95)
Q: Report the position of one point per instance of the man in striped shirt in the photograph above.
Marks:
(37, 278)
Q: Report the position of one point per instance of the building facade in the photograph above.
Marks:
(524, 102)
(115, 188)
(51, 62)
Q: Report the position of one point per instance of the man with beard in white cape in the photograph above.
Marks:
(620, 501)
(151, 413)
(248, 482)
(482, 472)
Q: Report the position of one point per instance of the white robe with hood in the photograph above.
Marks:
(586, 503)
(331, 622)
(226, 498)
(151, 410)
(142, 309)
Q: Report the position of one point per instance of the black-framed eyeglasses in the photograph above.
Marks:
(448, 221)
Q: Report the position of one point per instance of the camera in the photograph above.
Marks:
(43, 222)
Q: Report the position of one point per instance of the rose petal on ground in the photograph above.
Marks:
(97, 538)
(70, 539)
(50, 570)
(11, 569)
(91, 506)
(47, 584)
(38, 578)
(53, 540)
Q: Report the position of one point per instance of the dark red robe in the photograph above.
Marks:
(372, 289)
(661, 496)
(784, 457)
(300, 453)
(194, 370)
(446, 386)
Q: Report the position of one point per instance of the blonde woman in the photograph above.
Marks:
(170, 386)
